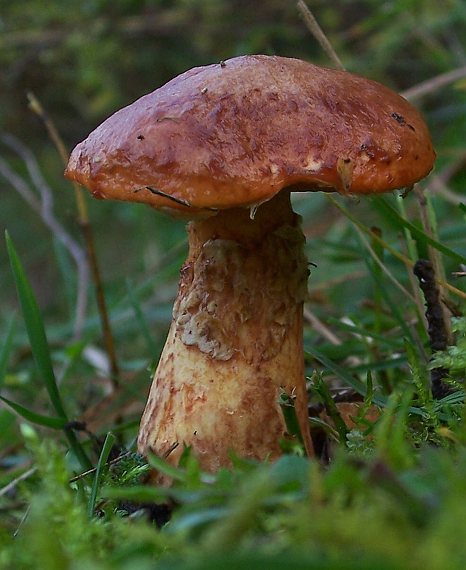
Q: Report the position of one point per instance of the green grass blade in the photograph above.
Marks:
(106, 448)
(394, 308)
(359, 386)
(6, 349)
(138, 493)
(320, 386)
(457, 397)
(40, 348)
(67, 272)
(77, 449)
(398, 220)
(35, 328)
(165, 468)
(359, 330)
(373, 366)
(411, 245)
(33, 417)
(134, 300)
(356, 384)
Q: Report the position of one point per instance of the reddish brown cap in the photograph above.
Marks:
(237, 132)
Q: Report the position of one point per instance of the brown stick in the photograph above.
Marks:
(438, 334)
(315, 29)
(434, 83)
(86, 229)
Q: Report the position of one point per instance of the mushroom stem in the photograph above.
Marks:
(235, 341)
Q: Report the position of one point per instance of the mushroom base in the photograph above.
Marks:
(235, 342)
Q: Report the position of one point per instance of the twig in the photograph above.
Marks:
(318, 33)
(435, 83)
(456, 165)
(94, 469)
(171, 449)
(439, 187)
(55, 137)
(83, 221)
(321, 327)
(438, 182)
(164, 195)
(424, 271)
(43, 206)
(12, 484)
(22, 521)
(415, 92)
(438, 333)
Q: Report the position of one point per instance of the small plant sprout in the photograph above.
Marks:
(223, 146)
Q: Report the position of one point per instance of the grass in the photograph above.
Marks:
(384, 507)
(385, 492)
(389, 495)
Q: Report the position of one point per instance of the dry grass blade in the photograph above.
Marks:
(435, 83)
(398, 255)
(382, 266)
(84, 474)
(319, 34)
(83, 219)
(41, 201)
(12, 484)
(320, 327)
(434, 256)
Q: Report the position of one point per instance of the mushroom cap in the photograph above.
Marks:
(236, 133)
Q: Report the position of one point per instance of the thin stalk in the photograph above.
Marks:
(86, 229)
(429, 225)
(410, 242)
(414, 255)
(433, 84)
(378, 265)
(376, 238)
(77, 448)
(106, 448)
(315, 29)
(40, 350)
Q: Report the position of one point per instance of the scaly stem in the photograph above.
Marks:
(235, 341)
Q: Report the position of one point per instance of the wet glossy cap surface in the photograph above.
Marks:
(236, 133)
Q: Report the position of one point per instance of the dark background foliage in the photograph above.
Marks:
(396, 494)
(84, 60)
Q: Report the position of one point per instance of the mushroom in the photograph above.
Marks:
(223, 145)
